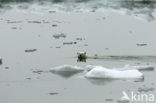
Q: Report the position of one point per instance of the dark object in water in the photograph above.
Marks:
(58, 36)
(145, 89)
(34, 22)
(30, 50)
(110, 100)
(1, 61)
(81, 56)
(54, 25)
(58, 47)
(38, 71)
(141, 44)
(54, 93)
(69, 43)
(6, 67)
(52, 11)
(28, 78)
(13, 27)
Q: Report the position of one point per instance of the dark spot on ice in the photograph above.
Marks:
(54, 93)
(30, 50)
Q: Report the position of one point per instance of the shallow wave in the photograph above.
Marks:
(140, 9)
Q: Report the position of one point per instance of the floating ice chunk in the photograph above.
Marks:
(145, 89)
(102, 72)
(140, 68)
(66, 70)
(1, 61)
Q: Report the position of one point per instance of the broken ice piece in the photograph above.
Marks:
(66, 70)
(145, 89)
(58, 36)
(1, 61)
(54, 93)
(141, 44)
(30, 50)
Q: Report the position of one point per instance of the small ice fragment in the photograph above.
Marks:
(139, 67)
(13, 27)
(110, 100)
(66, 70)
(1, 61)
(54, 25)
(30, 50)
(67, 43)
(145, 89)
(58, 36)
(122, 101)
(37, 22)
(54, 93)
(28, 78)
(58, 47)
(141, 44)
(102, 72)
(6, 67)
(38, 71)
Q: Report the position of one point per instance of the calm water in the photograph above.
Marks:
(102, 33)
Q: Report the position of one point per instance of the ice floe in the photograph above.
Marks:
(102, 72)
(139, 67)
(66, 70)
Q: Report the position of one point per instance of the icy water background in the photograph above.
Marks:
(136, 8)
(29, 47)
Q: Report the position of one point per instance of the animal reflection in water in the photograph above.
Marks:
(82, 57)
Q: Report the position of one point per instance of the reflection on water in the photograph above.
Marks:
(100, 81)
(66, 74)
(106, 81)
